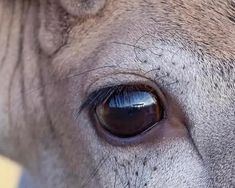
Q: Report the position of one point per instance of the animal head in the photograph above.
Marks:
(117, 93)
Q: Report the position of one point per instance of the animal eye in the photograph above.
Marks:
(129, 110)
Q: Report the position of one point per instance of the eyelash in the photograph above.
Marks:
(97, 97)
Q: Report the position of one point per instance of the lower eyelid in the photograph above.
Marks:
(156, 134)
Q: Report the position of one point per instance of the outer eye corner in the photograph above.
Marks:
(129, 110)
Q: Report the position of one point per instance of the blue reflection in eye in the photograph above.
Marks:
(132, 99)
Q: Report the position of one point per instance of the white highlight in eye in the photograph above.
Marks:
(132, 98)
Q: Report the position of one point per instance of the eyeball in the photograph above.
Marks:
(129, 110)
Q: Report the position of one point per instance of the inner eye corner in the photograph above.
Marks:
(128, 110)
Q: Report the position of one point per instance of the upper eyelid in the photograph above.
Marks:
(98, 96)
(100, 91)
(118, 78)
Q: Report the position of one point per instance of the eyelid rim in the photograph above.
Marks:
(157, 90)
(128, 141)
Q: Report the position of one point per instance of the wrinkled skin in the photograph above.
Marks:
(54, 53)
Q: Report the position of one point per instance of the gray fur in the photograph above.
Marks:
(52, 57)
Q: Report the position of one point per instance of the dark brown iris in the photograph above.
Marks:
(129, 111)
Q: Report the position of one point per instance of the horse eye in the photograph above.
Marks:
(129, 111)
